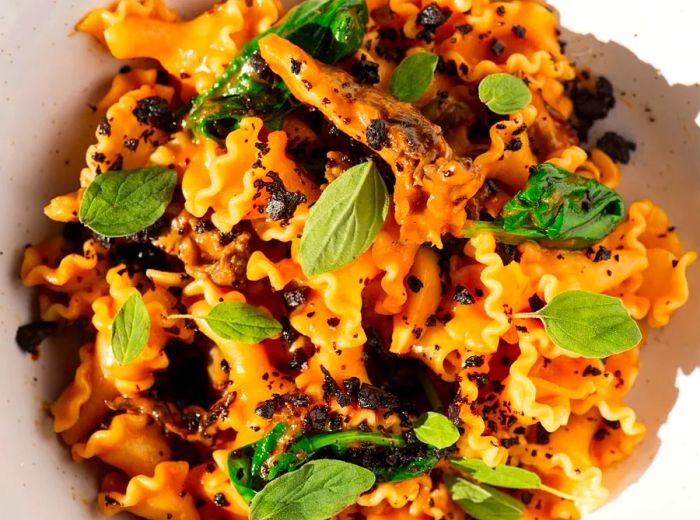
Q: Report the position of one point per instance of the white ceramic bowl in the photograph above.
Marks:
(48, 76)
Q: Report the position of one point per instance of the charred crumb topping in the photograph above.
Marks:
(282, 203)
(430, 18)
(616, 146)
(365, 71)
(155, 111)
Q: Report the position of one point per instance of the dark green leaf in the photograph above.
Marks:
(344, 221)
(590, 324)
(504, 93)
(413, 76)
(500, 476)
(329, 30)
(496, 506)
(316, 491)
(240, 475)
(240, 321)
(120, 203)
(130, 330)
(556, 209)
(437, 430)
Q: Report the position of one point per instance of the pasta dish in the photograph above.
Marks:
(352, 260)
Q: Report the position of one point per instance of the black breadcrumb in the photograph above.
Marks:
(616, 146)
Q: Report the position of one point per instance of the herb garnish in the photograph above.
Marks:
(238, 321)
(483, 502)
(344, 221)
(413, 76)
(316, 491)
(130, 330)
(504, 93)
(590, 324)
(436, 430)
(123, 202)
(328, 30)
(557, 209)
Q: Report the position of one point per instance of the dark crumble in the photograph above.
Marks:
(591, 105)
(30, 336)
(131, 144)
(474, 361)
(519, 31)
(508, 253)
(333, 322)
(497, 47)
(462, 295)
(414, 283)
(373, 397)
(220, 500)
(590, 370)
(154, 111)
(104, 128)
(282, 203)
(510, 442)
(430, 18)
(295, 67)
(542, 436)
(261, 68)
(616, 146)
(464, 28)
(526, 497)
(117, 164)
(500, 10)
(366, 71)
(315, 420)
(602, 254)
(514, 144)
(377, 134)
(266, 409)
(332, 389)
(99, 157)
(294, 297)
(536, 303)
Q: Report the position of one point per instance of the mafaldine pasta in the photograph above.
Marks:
(356, 260)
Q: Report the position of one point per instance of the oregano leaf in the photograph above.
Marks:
(413, 76)
(500, 476)
(344, 221)
(589, 324)
(316, 491)
(436, 430)
(123, 202)
(496, 506)
(504, 93)
(238, 321)
(130, 329)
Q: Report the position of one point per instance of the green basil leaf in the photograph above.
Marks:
(239, 473)
(344, 221)
(240, 321)
(436, 429)
(413, 76)
(120, 203)
(504, 93)
(130, 330)
(557, 209)
(497, 506)
(590, 324)
(316, 491)
(501, 476)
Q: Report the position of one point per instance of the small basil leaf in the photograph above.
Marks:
(501, 476)
(130, 330)
(240, 321)
(413, 76)
(120, 203)
(497, 506)
(344, 221)
(590, 324)
(316, 491)
(504, 93)
(557, 209)
(436, 430)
